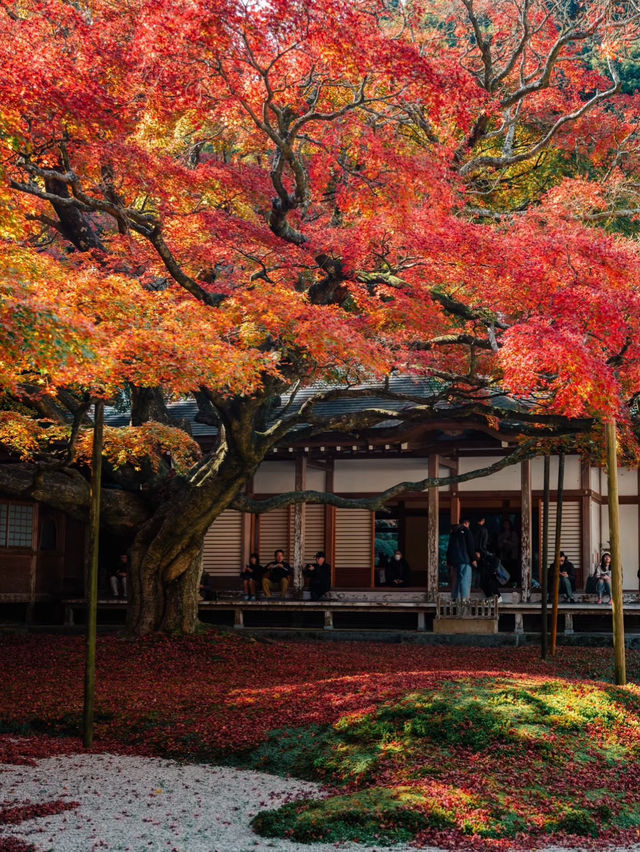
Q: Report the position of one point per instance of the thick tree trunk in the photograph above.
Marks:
(157, 603)
(165, 559)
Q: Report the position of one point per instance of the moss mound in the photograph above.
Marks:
(376, 815)
(495, 759)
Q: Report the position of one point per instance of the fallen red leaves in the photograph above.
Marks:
(203, 697)
(215, 693)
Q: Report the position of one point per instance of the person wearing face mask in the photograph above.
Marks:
(398, 570)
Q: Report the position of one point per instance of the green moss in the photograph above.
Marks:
(490, 758)
(574, 820)
(376, 815)
(288, 751)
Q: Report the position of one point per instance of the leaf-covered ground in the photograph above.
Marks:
(460, 747)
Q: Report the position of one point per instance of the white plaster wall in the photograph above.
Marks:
(628, 542)
(571, 473)
(315, 479)
(275, 477)
(507, 479)
(627, 482)
(352, 475)
(444, 471)
(595, 479)
(629, 546)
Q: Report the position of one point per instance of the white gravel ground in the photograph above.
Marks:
(135, 804)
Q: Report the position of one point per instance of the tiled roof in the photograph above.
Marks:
(187, 409)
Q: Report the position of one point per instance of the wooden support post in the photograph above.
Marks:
(92, 602)
(544, 585)
(238, 619)
(299, 514)
(616, 562)
(556, 561)
(421, 622)
(455, 509)
(328, 619)
(330, 523)
(525, 559)
(519, 625)
(33, 564)
(585, 511)
(433, 533)
(568, 622)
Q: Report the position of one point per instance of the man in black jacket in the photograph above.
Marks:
(567, 579)
(462, 555)
(276, 572)
(319, 574)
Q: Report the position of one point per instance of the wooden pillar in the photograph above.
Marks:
(544, 546)
(328, 619)
(556, 560)
(330, 523)
(249, 543)
(585, 512)
(455, 508)
(238, 619)
(433, 532)
(33, 563)
(525, 541)
(299, 513)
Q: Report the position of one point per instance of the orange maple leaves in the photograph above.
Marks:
(182, 135)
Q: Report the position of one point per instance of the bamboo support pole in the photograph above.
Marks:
(544, 582)
(556, 560)
(92, 598)
(617, 603)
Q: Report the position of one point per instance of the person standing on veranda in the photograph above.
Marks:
(461, 554)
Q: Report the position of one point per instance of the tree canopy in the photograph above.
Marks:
(239, 200)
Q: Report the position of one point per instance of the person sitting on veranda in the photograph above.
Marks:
(251, 576)
(319, 574)
(277, 572)
(398, 571)
(603, 578)
(567, 578)
(489, 582)
(206, 588)
(118, 577)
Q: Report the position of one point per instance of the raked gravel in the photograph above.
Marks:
(136, 804)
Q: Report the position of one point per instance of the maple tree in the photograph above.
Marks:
(241, 201)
